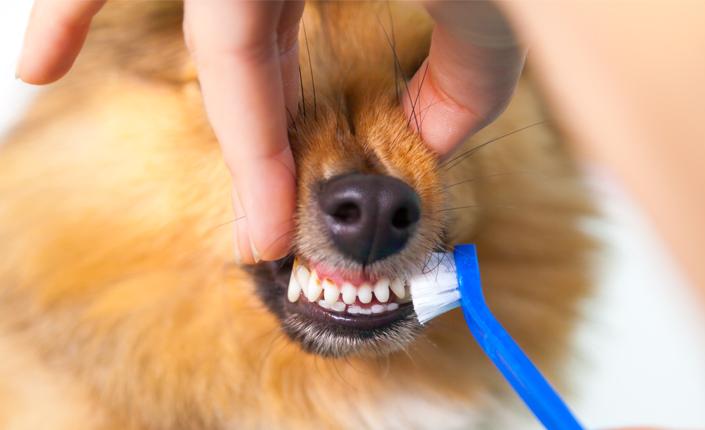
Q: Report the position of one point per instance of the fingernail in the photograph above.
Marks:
(255, 253)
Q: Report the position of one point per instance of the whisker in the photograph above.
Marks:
(396, 60)
(449, 164)
(426, 110)
(339, 108)
(277, 239)
(418, 94)
(310, 70)
(476, 207)
(394, 44)
(494, 175)
(210, 230)
(303, 98)
(425, 265)
(292, 120)
(414, 106)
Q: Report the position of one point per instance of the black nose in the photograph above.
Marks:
(369, 217)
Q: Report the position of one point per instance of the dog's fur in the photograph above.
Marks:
(120, 305)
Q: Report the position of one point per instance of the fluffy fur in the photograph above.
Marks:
(121, 307)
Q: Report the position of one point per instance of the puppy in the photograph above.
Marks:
(121, 306)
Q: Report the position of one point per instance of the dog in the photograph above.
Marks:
(121, 305)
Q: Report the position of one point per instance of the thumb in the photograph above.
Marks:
(469, 75)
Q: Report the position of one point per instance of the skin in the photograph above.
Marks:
(639, 117)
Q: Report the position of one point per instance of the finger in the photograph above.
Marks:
(54, 37)
(236, 50)
(470, 73)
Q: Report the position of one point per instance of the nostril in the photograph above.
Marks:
(347, 213)
(403, 218)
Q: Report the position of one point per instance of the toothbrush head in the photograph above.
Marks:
(435, 290)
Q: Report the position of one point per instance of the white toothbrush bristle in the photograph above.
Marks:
(435, 291)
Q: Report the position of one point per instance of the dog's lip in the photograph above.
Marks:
(362, 322)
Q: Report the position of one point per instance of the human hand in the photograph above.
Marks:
(469, 75)
(246, 54)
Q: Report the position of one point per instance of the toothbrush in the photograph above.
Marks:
(453, 280)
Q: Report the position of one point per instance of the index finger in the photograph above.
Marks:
(237, 53)
(55, 34)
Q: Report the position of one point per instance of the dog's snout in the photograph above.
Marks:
(369, 217)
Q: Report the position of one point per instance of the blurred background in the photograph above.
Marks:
(640, 352)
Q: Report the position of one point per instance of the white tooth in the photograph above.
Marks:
(407, 296)
(339, 306)
(313, 291)
(398, 287)
(294, 290)
(382, 290)
(392, 306)
(330, 291)
(349, 293)
(353, 309)
(364, 293)
(365, 311)
(377, 309)
(302, 276)
(323, 304)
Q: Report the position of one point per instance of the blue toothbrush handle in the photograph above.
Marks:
(506, 355)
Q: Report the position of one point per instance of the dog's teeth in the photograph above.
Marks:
(377, 309)
(407, 296)
(397, 287)
(302, 275)
(328, 295)
(349, 293)
(323, 304)
(382, 290)
(294, 290)
(364, 293)
(313, 291)
(331, 292)
(335, 306)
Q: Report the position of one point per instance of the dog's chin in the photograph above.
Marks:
(353, 322)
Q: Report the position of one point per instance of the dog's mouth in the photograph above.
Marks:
(353, 301)
(335, 313)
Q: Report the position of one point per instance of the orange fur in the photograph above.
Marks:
(117, 279)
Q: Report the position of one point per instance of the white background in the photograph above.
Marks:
(641, 351)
